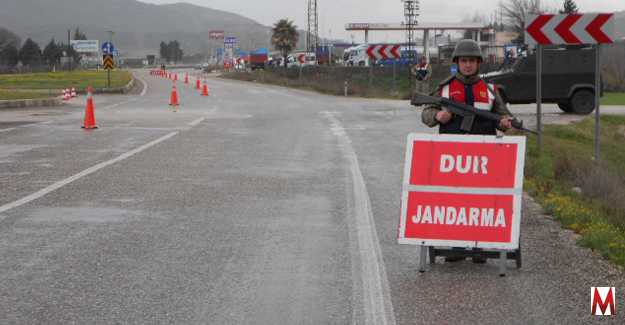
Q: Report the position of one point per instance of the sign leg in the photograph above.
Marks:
(502, 263)
(423, 251)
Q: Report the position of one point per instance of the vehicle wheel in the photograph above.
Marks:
(565, 107)
(583, 102)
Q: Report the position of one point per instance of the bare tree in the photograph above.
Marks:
(515, 12)
(614, 67)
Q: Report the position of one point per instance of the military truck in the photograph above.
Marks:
(568, 79)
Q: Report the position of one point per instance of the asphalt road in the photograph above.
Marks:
(256, 205)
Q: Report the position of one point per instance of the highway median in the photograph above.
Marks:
(44, 82)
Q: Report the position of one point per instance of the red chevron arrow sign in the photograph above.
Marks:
(379, 52)
(572, 29)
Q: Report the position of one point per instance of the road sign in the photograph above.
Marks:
(231, 40)
(301, 58)
(86, 46)
(107, 62)
(572, 29)
(108, 48)
(216, 34)
(462, 191)
(379, 52)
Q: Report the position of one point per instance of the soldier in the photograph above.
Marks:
(467, 87)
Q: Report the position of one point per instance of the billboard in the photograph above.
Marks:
(216, 34)
(86, 46)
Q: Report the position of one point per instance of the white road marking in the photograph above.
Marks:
(198, 121)
(145, 87)
(80, 175)
(377, 305)
(7, 130)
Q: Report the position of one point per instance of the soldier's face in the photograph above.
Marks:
(468, 66)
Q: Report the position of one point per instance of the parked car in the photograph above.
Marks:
(568, 79)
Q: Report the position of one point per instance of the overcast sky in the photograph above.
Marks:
(334, 14)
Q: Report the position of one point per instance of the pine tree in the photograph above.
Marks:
(30, 53)
(52, 53)
(9, 56)
(164, 52)
(569, 7)
(78, 35)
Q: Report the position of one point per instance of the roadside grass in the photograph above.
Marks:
(61, 80)
(14, 95)
(332, 81)
(585, 196)
(613, 99)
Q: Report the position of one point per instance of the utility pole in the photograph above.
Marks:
(312, 35)
(69, 47)
(411, 12)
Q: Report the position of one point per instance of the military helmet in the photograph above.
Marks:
(467, 48)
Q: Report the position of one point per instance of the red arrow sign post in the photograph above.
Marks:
(380, 52)
(574, 29)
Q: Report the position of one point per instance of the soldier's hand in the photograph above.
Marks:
(443, 117)
(505, 123)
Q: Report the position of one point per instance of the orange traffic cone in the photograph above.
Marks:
(197, 84)
(186, 78)
(175, 77)
(173, 99)
(205, 89)
(89, 111)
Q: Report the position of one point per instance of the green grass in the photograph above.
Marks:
(613, 99)
(598, 214)
(60, 80)
(332, 82)
(13, 95)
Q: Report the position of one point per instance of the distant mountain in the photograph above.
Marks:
(139, 27)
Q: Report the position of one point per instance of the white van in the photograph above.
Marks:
(356, 56)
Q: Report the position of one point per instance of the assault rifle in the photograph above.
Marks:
(467, 112)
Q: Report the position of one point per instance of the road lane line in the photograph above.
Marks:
(377, 304)
(7, 130)
(82, 174)
(198, 121)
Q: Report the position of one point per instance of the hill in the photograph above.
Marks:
(139, 27)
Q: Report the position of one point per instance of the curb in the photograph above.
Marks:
(21, 103)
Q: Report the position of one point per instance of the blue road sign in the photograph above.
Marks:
(231, 40)
(108, 48)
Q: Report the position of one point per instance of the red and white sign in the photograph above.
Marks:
(216, 34)
(462, 191)
(603, 301)
(301, 58)
(380, 52)
(571, 29)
